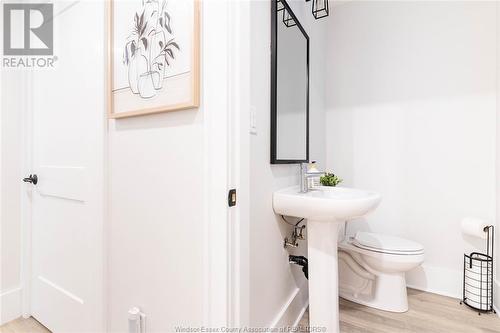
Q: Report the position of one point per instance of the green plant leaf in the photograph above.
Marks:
(329, 179)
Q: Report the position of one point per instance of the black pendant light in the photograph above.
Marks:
(320, 8)
(279, 6)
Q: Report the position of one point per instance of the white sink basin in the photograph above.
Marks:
(326, 204)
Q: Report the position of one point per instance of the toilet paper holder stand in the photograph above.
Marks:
(478, 277)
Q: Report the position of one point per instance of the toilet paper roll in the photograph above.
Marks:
(474, 227)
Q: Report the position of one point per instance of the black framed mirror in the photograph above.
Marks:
(289, 86)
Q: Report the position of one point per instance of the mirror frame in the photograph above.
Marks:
(274, 83)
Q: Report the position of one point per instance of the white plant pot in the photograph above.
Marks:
(147, 82)
(158, 80)
(137, 66)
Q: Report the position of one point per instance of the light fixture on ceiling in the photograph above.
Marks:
(279, 6)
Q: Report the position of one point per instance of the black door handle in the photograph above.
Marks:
(33, 179)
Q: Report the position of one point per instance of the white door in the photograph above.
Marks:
(67, 110)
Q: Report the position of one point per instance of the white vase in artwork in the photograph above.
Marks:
(157, 77)
(147, 82)
(160, 69)
(158, 80)
(137, 66)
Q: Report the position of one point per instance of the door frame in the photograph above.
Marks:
(226, 123)
(239, 161)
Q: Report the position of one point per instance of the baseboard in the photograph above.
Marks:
(437, 280)
(293, 309)
(10, 305)
(301, 314)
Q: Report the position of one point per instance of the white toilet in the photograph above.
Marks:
(372, 269)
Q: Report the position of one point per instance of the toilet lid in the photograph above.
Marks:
(386, 244)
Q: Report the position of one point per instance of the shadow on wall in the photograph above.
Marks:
(286, 231)
(419, 274)
(284, 177)
(402, 51)
(350, 228)
(173, 119)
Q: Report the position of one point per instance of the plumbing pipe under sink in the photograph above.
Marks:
(301, 261)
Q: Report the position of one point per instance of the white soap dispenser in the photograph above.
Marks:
(313, 182)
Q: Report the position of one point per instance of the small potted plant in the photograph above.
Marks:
(329, 179)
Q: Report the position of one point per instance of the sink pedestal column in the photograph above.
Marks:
(322, 238)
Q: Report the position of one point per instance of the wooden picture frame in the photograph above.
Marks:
(157, 80)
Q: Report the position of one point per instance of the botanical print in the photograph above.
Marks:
(153, 56)
(149, 48)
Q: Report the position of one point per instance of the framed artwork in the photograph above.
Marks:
(153, 56)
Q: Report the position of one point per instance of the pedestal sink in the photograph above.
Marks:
(324, 208)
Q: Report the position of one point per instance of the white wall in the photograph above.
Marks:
(156, 231)
(156, 220)
(278, 292)
(496, 301)
(10, 208)
(11, 114)
(157, 235)
(411, 114)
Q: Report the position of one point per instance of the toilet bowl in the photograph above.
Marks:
(372, 269)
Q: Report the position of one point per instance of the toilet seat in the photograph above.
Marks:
(386, 244)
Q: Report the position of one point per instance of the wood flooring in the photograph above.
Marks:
(428, 313)
(22, 325)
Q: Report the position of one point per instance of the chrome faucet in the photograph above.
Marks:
(305, 174)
